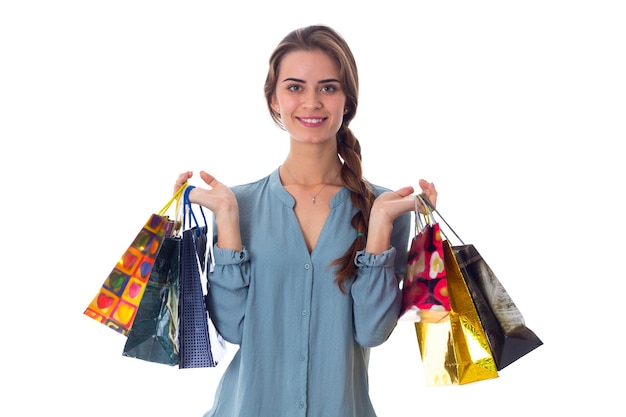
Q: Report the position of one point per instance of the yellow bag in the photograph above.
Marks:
(455, 349)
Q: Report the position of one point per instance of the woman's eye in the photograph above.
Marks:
(294, 88)
(329, 88)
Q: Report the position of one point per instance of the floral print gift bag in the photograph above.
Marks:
(424, 288)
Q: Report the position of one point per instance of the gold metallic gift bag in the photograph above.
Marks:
(455, 350)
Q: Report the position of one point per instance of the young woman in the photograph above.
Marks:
(307, 259)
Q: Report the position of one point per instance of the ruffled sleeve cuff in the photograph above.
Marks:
(365, 260)
(229, 256)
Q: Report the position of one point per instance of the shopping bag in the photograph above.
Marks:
(116, 303)
(508, 335)
(455, 350)
(424, 287)
(154, 335)
(201, 345)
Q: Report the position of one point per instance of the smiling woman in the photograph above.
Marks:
(309, 98)
(309, 258)
(514, 109)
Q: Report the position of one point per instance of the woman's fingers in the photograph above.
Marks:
(209, 179)
(182, 179)
(405, 191)
(429, 190)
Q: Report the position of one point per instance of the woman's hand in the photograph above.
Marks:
(218, 198)
(428, 189)
(182, 179)
(390, 205)
(387, 207)
(222, 202)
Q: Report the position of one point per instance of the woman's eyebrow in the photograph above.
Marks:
(294, 80)
(327, 80)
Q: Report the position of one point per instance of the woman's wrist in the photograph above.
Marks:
(228, 232)
(378, 235)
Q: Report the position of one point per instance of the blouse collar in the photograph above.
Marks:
(281, 193)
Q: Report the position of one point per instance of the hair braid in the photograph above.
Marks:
(362, 198)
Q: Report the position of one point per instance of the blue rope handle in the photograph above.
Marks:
(188, 207)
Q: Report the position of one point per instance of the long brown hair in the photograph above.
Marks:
(327, 40)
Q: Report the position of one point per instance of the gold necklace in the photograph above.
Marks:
(313, 197)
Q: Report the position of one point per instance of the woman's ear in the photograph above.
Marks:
(274, 104)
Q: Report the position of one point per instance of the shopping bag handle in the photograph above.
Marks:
(188, 208)
(175, 197)
(428, 215)
(432, 209)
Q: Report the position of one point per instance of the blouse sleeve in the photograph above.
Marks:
(376, 290)
(377, 297)
(228, 290)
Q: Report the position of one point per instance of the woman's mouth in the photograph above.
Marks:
(311, 121)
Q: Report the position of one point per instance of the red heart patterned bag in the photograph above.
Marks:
(116, 303)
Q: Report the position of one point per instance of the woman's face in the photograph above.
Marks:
(309, 96)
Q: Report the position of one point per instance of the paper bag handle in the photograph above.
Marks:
(433, 209)
(175, 197)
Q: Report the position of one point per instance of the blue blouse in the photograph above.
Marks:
(303, 345)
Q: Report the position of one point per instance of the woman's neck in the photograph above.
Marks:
(311, 171)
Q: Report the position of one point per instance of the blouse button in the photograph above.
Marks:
(307, 266)
(304, 312)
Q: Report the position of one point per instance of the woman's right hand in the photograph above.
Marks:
(218, 198)
(222, 202)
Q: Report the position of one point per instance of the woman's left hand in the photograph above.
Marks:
(390, 205)
(387, 207)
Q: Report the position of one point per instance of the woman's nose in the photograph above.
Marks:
(312, 100)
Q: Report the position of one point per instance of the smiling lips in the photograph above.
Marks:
(311, 121)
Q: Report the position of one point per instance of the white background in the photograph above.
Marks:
(515, 110)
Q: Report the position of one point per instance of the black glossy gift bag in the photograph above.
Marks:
(508, 335)
(154, 334)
